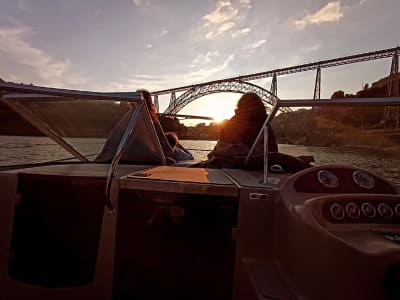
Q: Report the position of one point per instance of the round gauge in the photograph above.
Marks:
(364, 180)
(368, 210)
(352, 210)
(337, 211)
(397, 210)
(385, 210)
(328, 179)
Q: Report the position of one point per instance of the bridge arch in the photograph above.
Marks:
(233, 86)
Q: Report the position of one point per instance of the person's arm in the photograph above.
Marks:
(167, 149)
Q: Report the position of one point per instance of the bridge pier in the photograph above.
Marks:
(156, 103)
(392, 113)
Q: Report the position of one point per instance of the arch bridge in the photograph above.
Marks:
(233, 86)
(242, 84)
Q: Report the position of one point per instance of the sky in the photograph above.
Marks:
(124, 45)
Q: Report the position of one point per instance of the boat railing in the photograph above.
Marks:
(12, 93)
(279, 104)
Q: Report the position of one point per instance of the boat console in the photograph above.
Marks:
(338, 226)
(187, 228)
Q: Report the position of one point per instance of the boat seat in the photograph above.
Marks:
(144, 146)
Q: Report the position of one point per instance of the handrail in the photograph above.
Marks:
(265, 177)
(26, 91)
(267, 123)
(385, 101)
(118, 155)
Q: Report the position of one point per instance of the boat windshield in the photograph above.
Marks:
(41, 128)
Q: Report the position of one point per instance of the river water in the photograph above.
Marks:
(19, 150)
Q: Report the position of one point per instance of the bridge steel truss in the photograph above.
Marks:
(226, 85)
(233, 86)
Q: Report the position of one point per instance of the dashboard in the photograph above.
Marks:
(371, 209)
(342, 180)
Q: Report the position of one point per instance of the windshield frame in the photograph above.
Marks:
(281, 103)
(12, 94)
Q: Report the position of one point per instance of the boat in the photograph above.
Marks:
(127, 224)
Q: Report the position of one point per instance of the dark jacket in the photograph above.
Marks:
(244, 127)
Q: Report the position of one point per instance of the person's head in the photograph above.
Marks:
(250, 103)
(149, 103)
(172, 138)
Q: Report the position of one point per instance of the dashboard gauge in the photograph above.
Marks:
(368, 210)
(352, 210)
(328, 179)
(337, 211)
(385, 210)
(364, 180)
(397, 210)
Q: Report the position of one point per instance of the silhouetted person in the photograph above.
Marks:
(169, 141)
(238, 135)
(245, 125)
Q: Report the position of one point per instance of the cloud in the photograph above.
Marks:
(149, 46)
(311, 48)
(51, 72)
(164, 32)
(221, 29)
(332, 12)
(97, 13)
(241, 32)
(205, 58)
(245, 3)
(222, 19)
(141, 3)
(23, 5)
(136, 81)
(203, 74)
(362, 2)
(255, 45)
(153, 83)
(222, 13)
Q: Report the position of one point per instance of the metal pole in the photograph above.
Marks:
(156, 103)
(265, 181)
(118, 155)
(267, 121)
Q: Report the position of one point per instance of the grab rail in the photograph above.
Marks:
(118, 155)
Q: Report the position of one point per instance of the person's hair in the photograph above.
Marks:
(250, 102)
(172, 138)
(149, 103)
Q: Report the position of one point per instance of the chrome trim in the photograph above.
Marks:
(31, 92)
(381, 211)
(364, 208)
(363, 179)
(397, 210)
(267, 122)
(383, 101)
(265, 180)
(324, 175)
(341, 210)
(354, 206)
(118, 155)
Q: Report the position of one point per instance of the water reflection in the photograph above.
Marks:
(19, 150)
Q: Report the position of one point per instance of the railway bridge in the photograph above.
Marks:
(243, 84)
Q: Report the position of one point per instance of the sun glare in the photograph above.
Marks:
(219, 117)
(221, 108)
